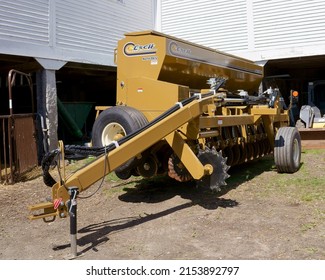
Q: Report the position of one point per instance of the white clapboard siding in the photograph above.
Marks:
(25, 21)
(96, 25)
(207, 22)
(84, 31)
(256, 29)
(280, 23)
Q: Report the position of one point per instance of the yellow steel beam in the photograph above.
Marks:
(221, 121)
(187, 156)
(94, 171)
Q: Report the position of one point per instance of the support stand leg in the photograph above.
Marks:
(73, 191)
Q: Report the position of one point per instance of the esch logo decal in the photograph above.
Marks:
(131, 49)
(178, 50)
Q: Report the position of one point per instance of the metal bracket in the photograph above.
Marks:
(187, 156)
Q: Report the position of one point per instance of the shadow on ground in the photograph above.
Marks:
(163, 188)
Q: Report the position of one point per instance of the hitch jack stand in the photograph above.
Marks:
(73, 191)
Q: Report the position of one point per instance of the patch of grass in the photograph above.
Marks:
(75, 165)
(313, 196)
(308, 226)
(111, 177)
(111, 192)
(320, 214)
(117, 185)
(248, 171)
(311, 250)
(310, 181)
(310, 188)
(314, 151)
(306, 185)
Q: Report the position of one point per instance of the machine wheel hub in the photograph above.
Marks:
(219, 175)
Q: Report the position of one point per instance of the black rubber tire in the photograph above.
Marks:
(128, 118)
(287, 150)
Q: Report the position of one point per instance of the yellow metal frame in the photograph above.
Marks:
(165, 129)
(155, 71)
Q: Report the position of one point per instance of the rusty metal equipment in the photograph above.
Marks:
(18, 149)
(183, 110)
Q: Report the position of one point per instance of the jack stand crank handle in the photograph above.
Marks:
(73, 191)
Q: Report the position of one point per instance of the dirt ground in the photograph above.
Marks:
(260, 214)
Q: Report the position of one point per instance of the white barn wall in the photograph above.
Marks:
(71, 30)
(207, 22)
(25, 22)
(255, 29)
